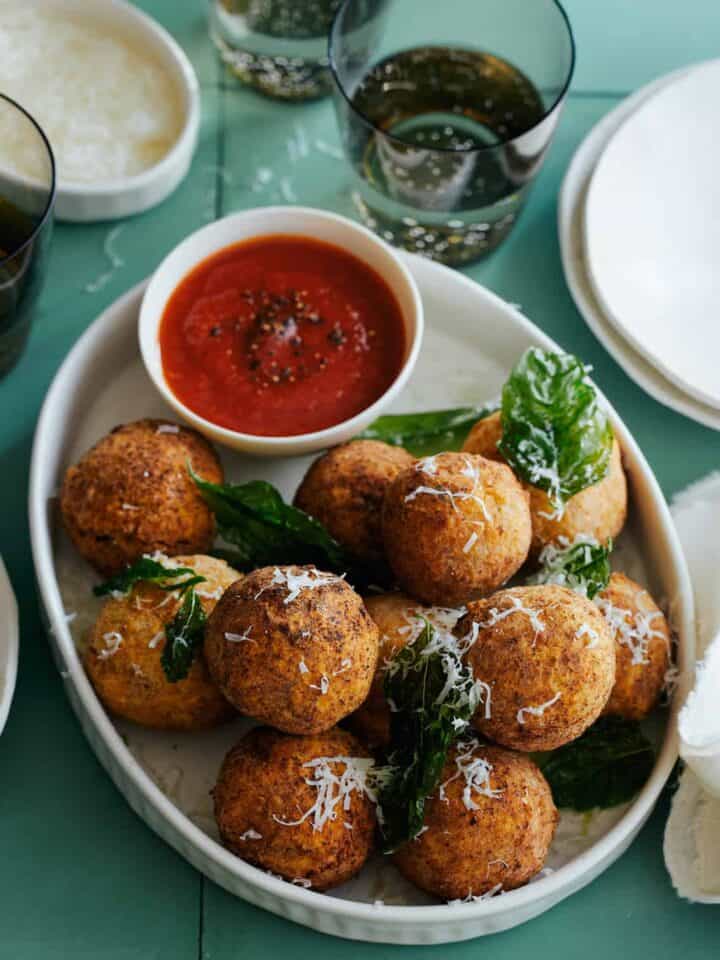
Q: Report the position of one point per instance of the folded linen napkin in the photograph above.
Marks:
(692, 835)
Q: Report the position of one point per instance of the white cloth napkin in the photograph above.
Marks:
(692, 835)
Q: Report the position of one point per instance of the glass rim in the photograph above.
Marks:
(52, 189)
(452, 151)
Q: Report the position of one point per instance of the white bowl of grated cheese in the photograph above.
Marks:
(118, 98)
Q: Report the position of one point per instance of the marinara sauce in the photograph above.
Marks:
(281, 335)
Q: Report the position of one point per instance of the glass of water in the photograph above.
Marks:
(446, 112)
(279, 47)
(27, 194)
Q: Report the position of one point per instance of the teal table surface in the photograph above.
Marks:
(81, 876)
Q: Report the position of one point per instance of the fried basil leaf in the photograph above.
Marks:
(147, 570)
(432, 697)
(556, 436)
(583, 566)
(606, 766)
(264, 530)
(183, 637)
(424, 434)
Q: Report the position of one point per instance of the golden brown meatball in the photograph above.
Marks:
(131, 494)
(642, 647)
(548, 658)
(455, 526)
(488, 826)
(296, 805)
(399, 619)
(126, 643)
(598, 511)
(293, 647)
(344, 490)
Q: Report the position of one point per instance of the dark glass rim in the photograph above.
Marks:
(451, 150)
(51, 189)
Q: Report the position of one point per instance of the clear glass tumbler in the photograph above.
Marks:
(277, 46)
(27, 194)
(446, 112)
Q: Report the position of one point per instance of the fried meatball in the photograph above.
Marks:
(399, 620)
(344, 490)
(488, 826)
(642, 647)
(548, 658)
(455, 527)
(293, 647)
(598, 511)
(131, 494)
(126, 643)
(296, 805)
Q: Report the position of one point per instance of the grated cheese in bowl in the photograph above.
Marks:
(107, 105)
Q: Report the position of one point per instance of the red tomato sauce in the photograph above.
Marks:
(280, 336)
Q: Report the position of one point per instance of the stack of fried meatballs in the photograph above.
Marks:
(297, 649)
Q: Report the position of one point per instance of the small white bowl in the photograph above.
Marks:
(113, 199)
(264, 221)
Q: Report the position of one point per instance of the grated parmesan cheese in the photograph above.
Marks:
(240, 637)
(335, 780)
(632, 629)
(108, 107)
(537, 711)
(295, 583)
(474, 770)
(112, 641)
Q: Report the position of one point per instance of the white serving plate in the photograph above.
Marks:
(8, 644)
(652, 231)
(472, 340)
(571, 212)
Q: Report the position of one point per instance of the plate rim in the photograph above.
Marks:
(390, 918)
(570, 208)
(10, 648)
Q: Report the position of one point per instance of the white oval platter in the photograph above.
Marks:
(472, 340)
(571, 214)
(9, 643)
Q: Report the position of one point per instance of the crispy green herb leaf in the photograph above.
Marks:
(183, 638)
(148, 570)
(265, 530)
(424, 434)
(606, 766)
(555, 434)
(583, 566)
(432, 696)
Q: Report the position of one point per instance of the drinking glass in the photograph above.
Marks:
(277, 46)
(446, 112)
(27, 194)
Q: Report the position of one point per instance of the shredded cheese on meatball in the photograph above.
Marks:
(475, 771)
(167, 428)
(112, 641)
(537, 711)
(427, 465)
(240, 637)
(295, 583)
(516, 606)
(472, 472)
(251, 835)
(335, 780)
(585, 630)
(633, 630)
(471, 898)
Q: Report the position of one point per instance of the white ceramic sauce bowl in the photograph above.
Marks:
(266, 221)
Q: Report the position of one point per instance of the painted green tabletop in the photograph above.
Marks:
(80, 875)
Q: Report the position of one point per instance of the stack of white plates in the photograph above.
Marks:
(639, 221)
